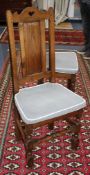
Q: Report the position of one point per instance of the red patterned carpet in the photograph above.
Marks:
(65, 36)
(50, 158)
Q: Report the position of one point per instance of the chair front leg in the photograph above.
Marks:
(17, 124)
(75, 141)
(29, 145)
(76, 128)
(71, 82)
(51, 126)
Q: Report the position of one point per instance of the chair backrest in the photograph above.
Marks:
(28, 55)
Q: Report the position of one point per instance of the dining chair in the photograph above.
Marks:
(36, 105)
(66, 66)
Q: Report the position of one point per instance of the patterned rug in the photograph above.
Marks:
(4, 81)
(3, 67)
(85, 73)
(87, 64)
(62, 36)
(51, 158)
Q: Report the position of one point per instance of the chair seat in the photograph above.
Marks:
(65, 62)
(46, 101)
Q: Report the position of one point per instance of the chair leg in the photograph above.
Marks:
(29, 145)
(71, 83)
(75, 141)
(75, 136)
(17, 118)
(18, 134)
(51, 126)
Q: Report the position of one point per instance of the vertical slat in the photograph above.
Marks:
(27, 43)
(43, 46)
(32, 47)
(52, 43)
(22, 47)
(12, 50)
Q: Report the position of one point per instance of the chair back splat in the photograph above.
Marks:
(45, 103)
(30, 51)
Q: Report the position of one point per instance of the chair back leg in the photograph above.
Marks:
(71, 83)
(76, 127)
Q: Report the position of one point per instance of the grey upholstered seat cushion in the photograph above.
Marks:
(46, 101)
(65, 62)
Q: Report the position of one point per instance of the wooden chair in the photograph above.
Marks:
(66, 66)
(45, 103)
